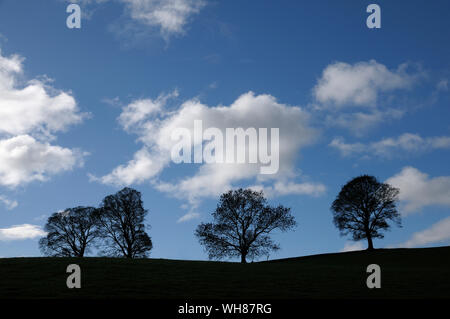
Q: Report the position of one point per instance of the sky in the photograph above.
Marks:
(85, 112)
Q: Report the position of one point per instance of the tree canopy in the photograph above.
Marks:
(121, 221)
(363, 208)
(243, 221)
(69, 232)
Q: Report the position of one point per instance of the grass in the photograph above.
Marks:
(405, 273)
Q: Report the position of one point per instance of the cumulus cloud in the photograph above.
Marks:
(437, 233)
(34, 107)
(353, 246)
(154, 124)
(388, 147)
(23, 159)
(170, 16)
(442, 85)
(347, 149)
(188, 216)
(31, 113)
(410, 143)
(10, 204)
(418, 190)
(136, 113)
(282, 188)
(21, 232)
(349, 95)
(359, 123)
(360, 84)
(144, 166)
(167, 17)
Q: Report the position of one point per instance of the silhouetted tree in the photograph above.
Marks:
(363, 208)
(121, 220)
(242, 223)
(69, 233)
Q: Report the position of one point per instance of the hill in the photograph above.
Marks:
(406, 273)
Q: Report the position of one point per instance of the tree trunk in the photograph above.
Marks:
(83, 247)
(243, 260)
(129, 251)
(370, 243)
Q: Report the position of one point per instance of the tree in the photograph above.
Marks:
(69, 233)
(121, 220)
(363, 208)
(242, 223)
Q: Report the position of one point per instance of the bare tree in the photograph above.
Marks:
(242, 223)
(121, 220)
(363, 208)
(69, 233)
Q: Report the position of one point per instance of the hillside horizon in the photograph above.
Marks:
(405, 273)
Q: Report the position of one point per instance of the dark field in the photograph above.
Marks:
(405, 273)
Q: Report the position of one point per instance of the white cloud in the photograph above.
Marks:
(418, 190)
(410, 143)
(142, 167)
(30, 113)
(437, 233)
(137, 112)
(154, 126)
(360, 96)
(188, 216)
(442, 85)
(282, 188)
(35, 107)
(353, 246)
(360, 84)
(10, 204)
(21, 232)
(23, 159)
(168, 17)
(359, 123)
(347, 149)
(388, 147)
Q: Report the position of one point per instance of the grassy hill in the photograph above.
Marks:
(406, 273)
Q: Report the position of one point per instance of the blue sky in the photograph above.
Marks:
(348, 101)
